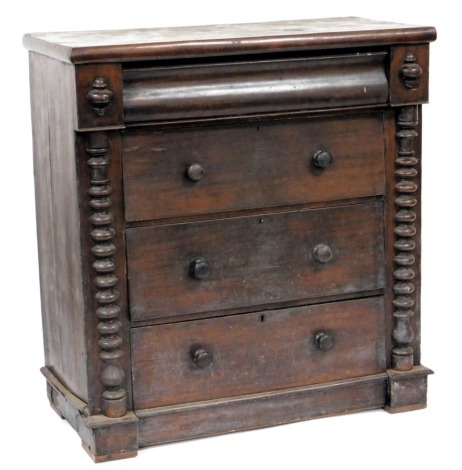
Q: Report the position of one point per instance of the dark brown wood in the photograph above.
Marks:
(254, 260)
(254, 352)
(223, 40)
(57, 391)
(162, 93)
(407, 390)
(251, 165)
(405, 216)
(99, 107)
(93, 350)
(108, 439)
(57, 208)
(415, 320)
(410, 71)
(402, 89)
(174, 423)
(100, 96)
(102, 437)
(114, 397)
(256, 190)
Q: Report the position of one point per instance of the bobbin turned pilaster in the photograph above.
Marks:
(114, 397)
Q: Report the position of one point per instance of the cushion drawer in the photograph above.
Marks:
(178, 269)
(239, 88)
(250, 353)
(246, 166)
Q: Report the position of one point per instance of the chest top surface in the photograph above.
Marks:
(211, 40)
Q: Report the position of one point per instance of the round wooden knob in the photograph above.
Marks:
(322, 159)
(322, 253)
(202, 358)
(200, 269)
(195, 172)
(323, 341)
(411, 71)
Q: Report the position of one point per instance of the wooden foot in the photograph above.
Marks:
(407, 391)
(103, 438)
(108, 458)
(110, 438)
(52, 398)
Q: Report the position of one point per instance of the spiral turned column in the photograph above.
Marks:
(114, 400)
(405, 215)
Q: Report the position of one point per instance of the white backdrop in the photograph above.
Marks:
(33, 434)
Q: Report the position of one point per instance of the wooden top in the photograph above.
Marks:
(183, 42)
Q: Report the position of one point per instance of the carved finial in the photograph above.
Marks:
(100, 96)
(410, 72)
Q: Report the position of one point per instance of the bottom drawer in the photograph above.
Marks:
(236, 355)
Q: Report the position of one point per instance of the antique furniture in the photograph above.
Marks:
(228, 225)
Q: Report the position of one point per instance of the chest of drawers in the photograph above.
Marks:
(228, 225)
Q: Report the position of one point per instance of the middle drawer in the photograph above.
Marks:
(239, 262)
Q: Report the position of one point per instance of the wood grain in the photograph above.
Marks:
(173, 423)
(256, 352)
(58, 222)
(247, 87)
(407, 390)
(216, 40)
(246, 189)
(248, 166)
(399, 93)
(113, 115)
(254, 260)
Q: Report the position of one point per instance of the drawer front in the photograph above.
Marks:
(173, 173)
(241, 88)
(246, 261)
(250, 353)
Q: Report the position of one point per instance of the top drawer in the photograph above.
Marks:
(197, 91)
(203, 170)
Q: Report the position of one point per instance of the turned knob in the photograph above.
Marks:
(322, 159)
(195, 172)
(202, 358)
(100, 96)
(200, 269)
(411, 71)
(322, 253)
(323, 341)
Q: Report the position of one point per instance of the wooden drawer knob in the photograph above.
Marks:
(322, 253)
(195, 172)
(322, 159)
(200, 269)
(202, 358)
(410, 72)
(323, 341)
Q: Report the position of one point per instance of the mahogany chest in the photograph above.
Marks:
(228, 225)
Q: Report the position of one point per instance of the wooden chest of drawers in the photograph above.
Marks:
(228, 225)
